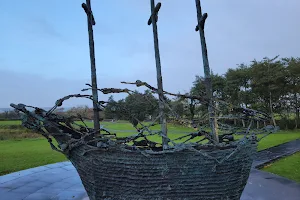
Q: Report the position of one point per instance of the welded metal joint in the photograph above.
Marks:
(154, 13)
(201, 22)
(89, 13)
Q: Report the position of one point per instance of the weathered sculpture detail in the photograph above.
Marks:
(152, 20)
(206, 164)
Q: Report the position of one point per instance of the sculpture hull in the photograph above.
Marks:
(186, 174)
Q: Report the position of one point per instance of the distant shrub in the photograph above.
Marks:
(13, 132)
(287, 124)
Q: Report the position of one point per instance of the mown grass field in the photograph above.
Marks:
(16, 155)
(12, 122)
(287, 167)
(22, 149)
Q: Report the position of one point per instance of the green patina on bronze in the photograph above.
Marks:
(153, 20)
(91, 22)
(213, 166)
(200, 27)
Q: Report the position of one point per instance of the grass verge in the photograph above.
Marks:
(14, 132)
(287, 167)
(16, 155)
(277, 139)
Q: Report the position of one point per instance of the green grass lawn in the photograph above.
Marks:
(16, 155)
(22, 154)
(13, 122)
(278, 138)
(128, 126)
(287, 167)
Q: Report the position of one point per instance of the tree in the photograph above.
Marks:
(111, 108)
(10, 115)
(292, 66)
(83, 111)
(198, 89)
(218, 85)
(178, 107)
(238, 89)
(268, 83)
(141, 106)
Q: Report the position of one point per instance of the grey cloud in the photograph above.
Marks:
(236, 32)
(38, 91)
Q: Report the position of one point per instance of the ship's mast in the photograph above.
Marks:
(91, 22)
(153, 20)
(208, 84)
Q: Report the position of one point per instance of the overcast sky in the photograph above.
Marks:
(44, 51)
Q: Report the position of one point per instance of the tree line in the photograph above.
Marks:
(84, 112)
(271, 85)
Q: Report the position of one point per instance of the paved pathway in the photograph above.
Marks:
(55, 181)
(266, 186)
(273, 153)
(60, 181)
